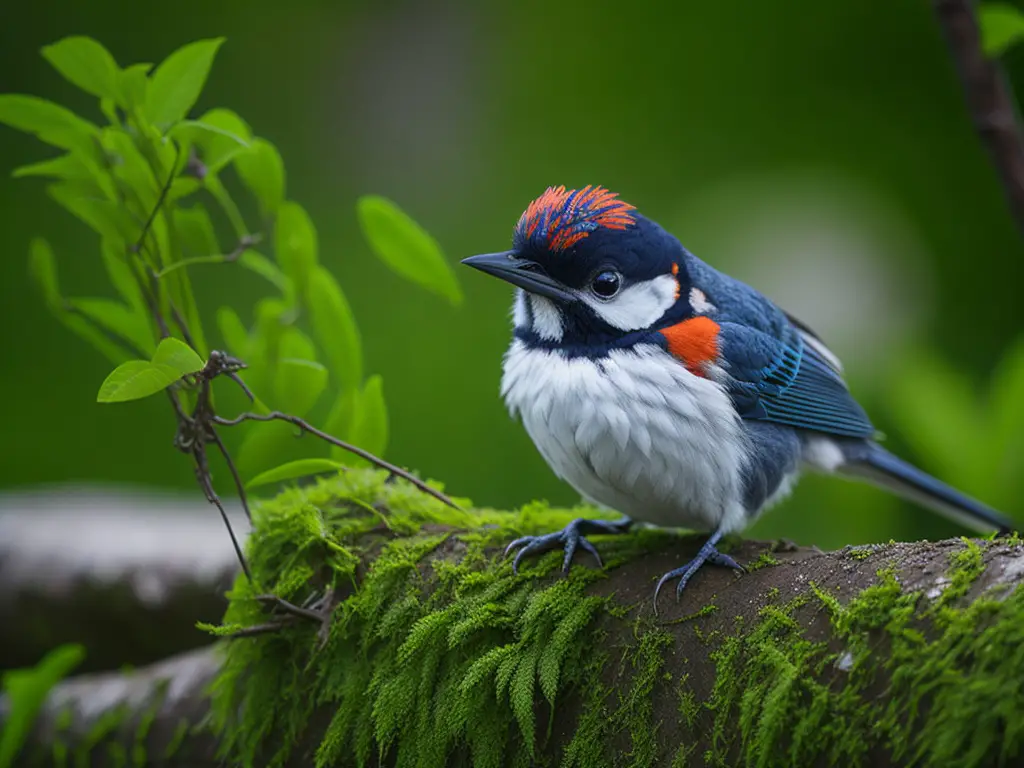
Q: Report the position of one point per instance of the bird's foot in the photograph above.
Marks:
(569, 538)
(707, 554)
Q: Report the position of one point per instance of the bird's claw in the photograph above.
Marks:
(708, 554)
(569, 538)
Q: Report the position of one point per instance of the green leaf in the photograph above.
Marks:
(370, 423)
(264, 343)
(294, 469)
(178, 356)
(178, 81)
(341, 418)
(133, 87)
(269, 444)
(335, 328)
(105, 217)
(43, 268)
(182, 187)
(116, 261)
(406, 247)
(294, 343)
(26, 690)
(262, 171)
(195, 229)
(50, 122)
(85, 63)
(117, 319)
(133, 171)
(295, 244)
(69, 166)
(220, 134)
(233, 332)
(256, 262)
(298, 384)
(109, 110)
(134, 380)
(1001, 25)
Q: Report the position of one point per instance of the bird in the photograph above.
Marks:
(663, 389)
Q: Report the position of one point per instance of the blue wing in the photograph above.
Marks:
(786, 380)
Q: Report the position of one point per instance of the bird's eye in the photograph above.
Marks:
(606, 284)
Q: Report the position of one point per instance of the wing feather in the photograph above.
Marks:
(789, 381)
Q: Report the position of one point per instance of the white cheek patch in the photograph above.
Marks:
(699, 302)
(636, 306)
(547, 319)
(520, 314)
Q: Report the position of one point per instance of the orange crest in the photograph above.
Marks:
(560, 218)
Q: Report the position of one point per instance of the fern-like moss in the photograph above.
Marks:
(439, 655)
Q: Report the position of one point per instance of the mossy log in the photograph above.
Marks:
(436, 654)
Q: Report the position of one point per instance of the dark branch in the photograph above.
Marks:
(989, 98)
(306, 427)
(693, 636)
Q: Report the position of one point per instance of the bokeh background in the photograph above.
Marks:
(821, 151)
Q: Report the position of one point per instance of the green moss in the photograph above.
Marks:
(104, 728)
(938, 693)
(145, 723)
(439, 655)
(705, 610)
(860, 553)
(764, 560)
(635, 709)
(181, 731)
(444, 655)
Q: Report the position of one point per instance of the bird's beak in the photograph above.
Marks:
(524, 273)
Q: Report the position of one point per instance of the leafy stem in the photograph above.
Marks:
(307, 427)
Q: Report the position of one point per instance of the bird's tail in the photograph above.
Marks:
(872, 462)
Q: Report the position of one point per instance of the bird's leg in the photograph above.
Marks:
(569, 538)
(707, 554)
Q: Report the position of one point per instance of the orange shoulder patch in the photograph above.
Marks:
(694, 342)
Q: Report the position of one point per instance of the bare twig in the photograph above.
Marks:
(203, 476)
(290, 608)
(989, 98)
(239, 485)
(270, 627)
(306, 427)
(164, 191)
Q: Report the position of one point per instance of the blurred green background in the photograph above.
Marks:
(821, 151)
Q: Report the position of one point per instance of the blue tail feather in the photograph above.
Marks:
(877, 464)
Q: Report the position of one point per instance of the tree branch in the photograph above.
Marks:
(174, 692)
(989, 99)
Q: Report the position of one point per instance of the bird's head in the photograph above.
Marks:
(591, 269)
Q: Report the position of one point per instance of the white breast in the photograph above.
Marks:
(634, 431)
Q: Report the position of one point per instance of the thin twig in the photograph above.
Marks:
(989, 99)
(179, 321)
(239, 485)
(164, 191)
(230, 257)
(306, 427)
(263, 629)
(290, 608)
(203, 476)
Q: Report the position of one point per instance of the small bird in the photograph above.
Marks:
(661, 388)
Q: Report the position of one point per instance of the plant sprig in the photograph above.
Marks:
(143, 182)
